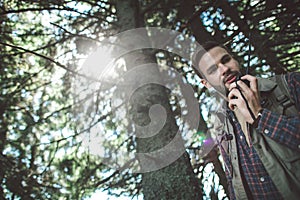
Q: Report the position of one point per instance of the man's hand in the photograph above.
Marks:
(251, 94)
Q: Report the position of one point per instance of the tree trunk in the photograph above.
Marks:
(160, 180)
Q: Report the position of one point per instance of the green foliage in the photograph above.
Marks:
(40, 158)
(42, 44)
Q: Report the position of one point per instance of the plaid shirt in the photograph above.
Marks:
(284, 130)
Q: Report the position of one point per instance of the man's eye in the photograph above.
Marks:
(212, 69)
(225, 59)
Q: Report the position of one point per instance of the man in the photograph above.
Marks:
(259, 144)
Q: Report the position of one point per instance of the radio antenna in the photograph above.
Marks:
(249, 53)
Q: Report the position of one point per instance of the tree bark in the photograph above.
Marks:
(176, 180)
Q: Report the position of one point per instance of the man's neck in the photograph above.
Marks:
(244, 124)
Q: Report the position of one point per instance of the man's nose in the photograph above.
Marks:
(223, 68)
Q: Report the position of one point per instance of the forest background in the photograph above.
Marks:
(69, 128)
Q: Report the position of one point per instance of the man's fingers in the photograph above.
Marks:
(232, 104)
(234, 98)
(234, 93)
(252, 80)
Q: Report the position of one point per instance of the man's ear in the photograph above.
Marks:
(205, 83)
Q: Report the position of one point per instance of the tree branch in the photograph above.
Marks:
(49, 59)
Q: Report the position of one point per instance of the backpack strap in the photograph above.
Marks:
(281, 100)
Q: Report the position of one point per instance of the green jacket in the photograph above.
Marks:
(281, 162)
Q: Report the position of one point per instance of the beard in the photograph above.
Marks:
(221, 89)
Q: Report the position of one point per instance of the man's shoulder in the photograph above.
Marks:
(268, 84)
(293, 77)
(277, 97)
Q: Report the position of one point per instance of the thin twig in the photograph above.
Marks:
(49, 59)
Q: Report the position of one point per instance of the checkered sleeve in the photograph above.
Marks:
(284, 129)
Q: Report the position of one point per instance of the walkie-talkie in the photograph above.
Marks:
(245, 81)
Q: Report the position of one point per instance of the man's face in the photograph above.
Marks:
(219, 69)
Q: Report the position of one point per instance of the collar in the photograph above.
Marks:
(265, 85)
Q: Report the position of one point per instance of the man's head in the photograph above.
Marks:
(215, 66)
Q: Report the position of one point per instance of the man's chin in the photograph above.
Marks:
(223, 91)
(226, 86)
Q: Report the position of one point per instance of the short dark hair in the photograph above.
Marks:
(200, 52)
